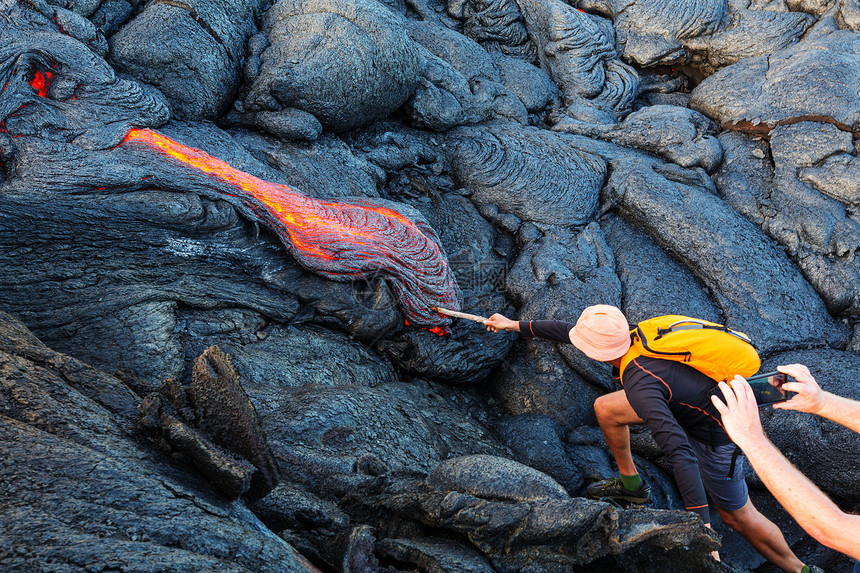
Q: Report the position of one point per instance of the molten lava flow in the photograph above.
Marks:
(437, 330)
(341, 241)
(41, 81)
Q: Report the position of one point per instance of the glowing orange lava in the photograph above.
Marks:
(41, 81)
(437, 330)
(343, 240)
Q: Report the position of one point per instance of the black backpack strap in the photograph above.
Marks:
(660, 332)
(735, 455)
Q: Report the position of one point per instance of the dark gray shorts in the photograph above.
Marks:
(728, 492)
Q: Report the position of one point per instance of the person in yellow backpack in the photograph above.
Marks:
(673, 400)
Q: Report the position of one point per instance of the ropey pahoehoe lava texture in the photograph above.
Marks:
(223, 225)
(339, 240)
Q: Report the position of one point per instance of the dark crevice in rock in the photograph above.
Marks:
(763, 129)
(188, 497)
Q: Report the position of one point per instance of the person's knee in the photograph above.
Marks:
(614, 410)
(730, 518)
(603, 409)
(739, 519)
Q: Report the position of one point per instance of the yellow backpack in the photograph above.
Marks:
(712, 349)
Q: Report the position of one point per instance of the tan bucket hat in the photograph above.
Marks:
(601, 333)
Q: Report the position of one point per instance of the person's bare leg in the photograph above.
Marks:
(764, 535)
(614, 415)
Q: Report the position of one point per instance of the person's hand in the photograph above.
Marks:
(809, 398)
(714, 554)
(739, 412)
(498, 322)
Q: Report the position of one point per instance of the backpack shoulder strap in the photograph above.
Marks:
(632, 353)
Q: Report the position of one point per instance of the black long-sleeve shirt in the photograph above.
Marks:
(672, 398)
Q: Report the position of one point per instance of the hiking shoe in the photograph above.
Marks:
(614, 489)
(815, 569)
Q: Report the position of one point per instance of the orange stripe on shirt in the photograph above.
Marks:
(655, 376)
(714, 418)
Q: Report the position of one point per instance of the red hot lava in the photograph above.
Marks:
(41, 81)
(342, 241)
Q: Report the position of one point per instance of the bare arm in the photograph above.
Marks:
(499, 322)
(812, 399)
(807, 504)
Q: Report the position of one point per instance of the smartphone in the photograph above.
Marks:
(767, 388)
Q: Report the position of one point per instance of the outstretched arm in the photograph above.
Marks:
(555, 330)
(812, 399)
(499, 322)
(807, 504)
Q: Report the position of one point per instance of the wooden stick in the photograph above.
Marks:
(457, 314)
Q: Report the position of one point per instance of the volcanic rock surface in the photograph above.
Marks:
(224, 225)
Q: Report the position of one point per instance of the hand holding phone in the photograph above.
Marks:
(807, 395)
(767, 388)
